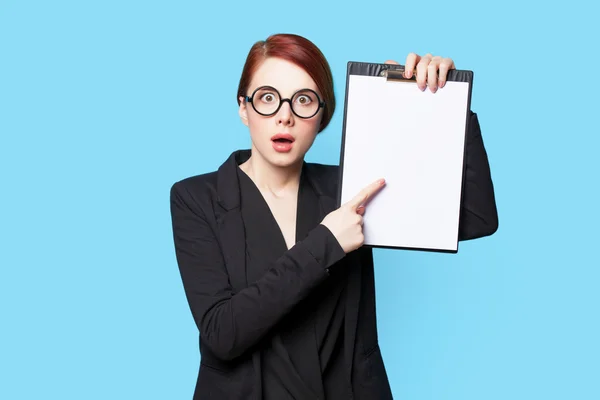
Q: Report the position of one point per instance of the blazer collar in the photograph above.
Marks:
(228, 188)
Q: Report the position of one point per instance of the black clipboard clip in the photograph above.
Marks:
(397, 74)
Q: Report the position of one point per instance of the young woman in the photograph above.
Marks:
(276, 277)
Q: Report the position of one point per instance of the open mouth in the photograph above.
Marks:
(283, 138)
(283, 142)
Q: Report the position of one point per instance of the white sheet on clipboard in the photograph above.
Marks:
(415, 140)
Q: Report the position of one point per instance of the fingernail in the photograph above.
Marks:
(381, 181)
(442, 84)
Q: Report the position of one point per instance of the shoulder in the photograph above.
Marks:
(195, 192)
(197, 185)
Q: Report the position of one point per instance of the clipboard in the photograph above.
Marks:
(415, 140)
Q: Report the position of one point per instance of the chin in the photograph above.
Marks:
(284, 160)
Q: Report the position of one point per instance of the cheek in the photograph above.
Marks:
(310, 127)
(306, 135)
(257, 124)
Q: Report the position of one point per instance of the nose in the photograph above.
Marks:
(285, 115)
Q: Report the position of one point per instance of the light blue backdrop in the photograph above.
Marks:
(104, 104)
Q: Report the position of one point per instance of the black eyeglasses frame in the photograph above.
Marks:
(249, 99)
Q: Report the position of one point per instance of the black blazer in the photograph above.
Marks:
(234, 310)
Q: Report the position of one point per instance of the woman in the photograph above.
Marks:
(277, 281)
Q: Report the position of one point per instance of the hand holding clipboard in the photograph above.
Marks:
(428, 71)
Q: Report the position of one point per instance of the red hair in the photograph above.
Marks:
(299, 51)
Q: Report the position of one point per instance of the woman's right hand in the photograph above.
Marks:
(346, 223)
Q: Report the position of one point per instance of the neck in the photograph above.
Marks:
(275, 179)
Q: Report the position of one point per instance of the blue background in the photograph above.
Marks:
(105, 104)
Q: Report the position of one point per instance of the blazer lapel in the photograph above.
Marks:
(229, 220)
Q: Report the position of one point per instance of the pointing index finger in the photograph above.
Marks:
(366, 194)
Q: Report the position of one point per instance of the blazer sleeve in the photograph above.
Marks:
(479, 216)
(230, 323)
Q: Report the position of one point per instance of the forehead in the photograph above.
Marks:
(283, 75)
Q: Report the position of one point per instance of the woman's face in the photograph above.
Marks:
(296, 135)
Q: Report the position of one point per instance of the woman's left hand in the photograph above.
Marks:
(431, 71)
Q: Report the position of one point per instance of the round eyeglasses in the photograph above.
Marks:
(266, 101)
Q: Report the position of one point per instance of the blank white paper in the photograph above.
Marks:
(415, 140)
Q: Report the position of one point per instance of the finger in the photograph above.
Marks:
(391, 62)
(411, 61)
(365, 194)
(446, 65)
(360, 210)
(432, 73)
(422, 71)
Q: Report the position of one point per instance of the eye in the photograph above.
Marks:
(304, 99)
(267, 97)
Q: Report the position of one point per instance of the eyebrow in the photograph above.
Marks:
(294, 91)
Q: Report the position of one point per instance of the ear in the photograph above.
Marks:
(243, 111)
